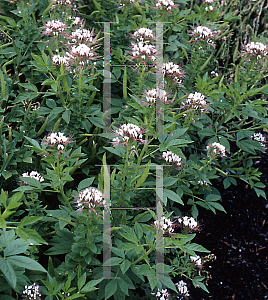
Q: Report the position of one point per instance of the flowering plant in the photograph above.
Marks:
(120, 140)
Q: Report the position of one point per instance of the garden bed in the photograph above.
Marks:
(239, 241)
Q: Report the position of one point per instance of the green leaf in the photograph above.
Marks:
(6, 237)
(85, 183)
(125, 265)
(14, 200)
(166, 281)
(25, 262)
(206, 132)
(197, 247)
(129, 237)
(218, 206)
(3, 198)
(125, 84)
(66, 116)
(213, 197)
(169, 181)
(8, 272)
(32, 182)
(29, 86)
(90, 286)
(29, 220)
(16, 247)
(113, 261)
(110, 288)
(30, 234)
(126, 246)
(33, 143)
(144, 176)
(173, 196)
(123, 286)
(81, 281)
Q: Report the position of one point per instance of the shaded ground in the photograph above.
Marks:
(239, 239)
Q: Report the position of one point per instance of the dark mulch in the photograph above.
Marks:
(239, 239)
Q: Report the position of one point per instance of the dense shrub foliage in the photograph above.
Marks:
(116, 120)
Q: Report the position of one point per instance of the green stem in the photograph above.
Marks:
(143, 256)
(124, 175)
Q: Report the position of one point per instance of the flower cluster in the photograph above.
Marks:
(143, 34)
(164, 224)
(182, 288)
(58, 60)
(57, 139)
(196, 102)
(172, 70)
(31, 292)
(162, 295)
(209, 8)
(257, 49)
(188, 222)
(202, 182)
(217, 149)
(142, 47)
(128, 132)
(54, 27)
(213, 73)
(172, 158)
(203, 33)
(82, 35)
(152, 94)
(197, 260)
(259, 137)
(143, 51)
(89, 198)
(165, 4)
(76, 21)
(34, 175)
(209, 1)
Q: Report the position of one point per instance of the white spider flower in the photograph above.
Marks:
(162, 295)
(33, 174)
(182, 288)
(210, 8)
(152, 94)
(57, 139)
(256, 49)
(259, 137)
(203, 33)
(89, 198)
(172, 70)
(143, 34)
(82, 50)
(196, 102)
(209, 1)
(213, 73)
(58, 60)
(143, 50)
(172, 158)
(164, 224)
(188, 222)
(197, 260)
(202, 182)
(54, 27)
(32, 292)
(128, 132)
(218, 149)
(166, 4)
(82, 35)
